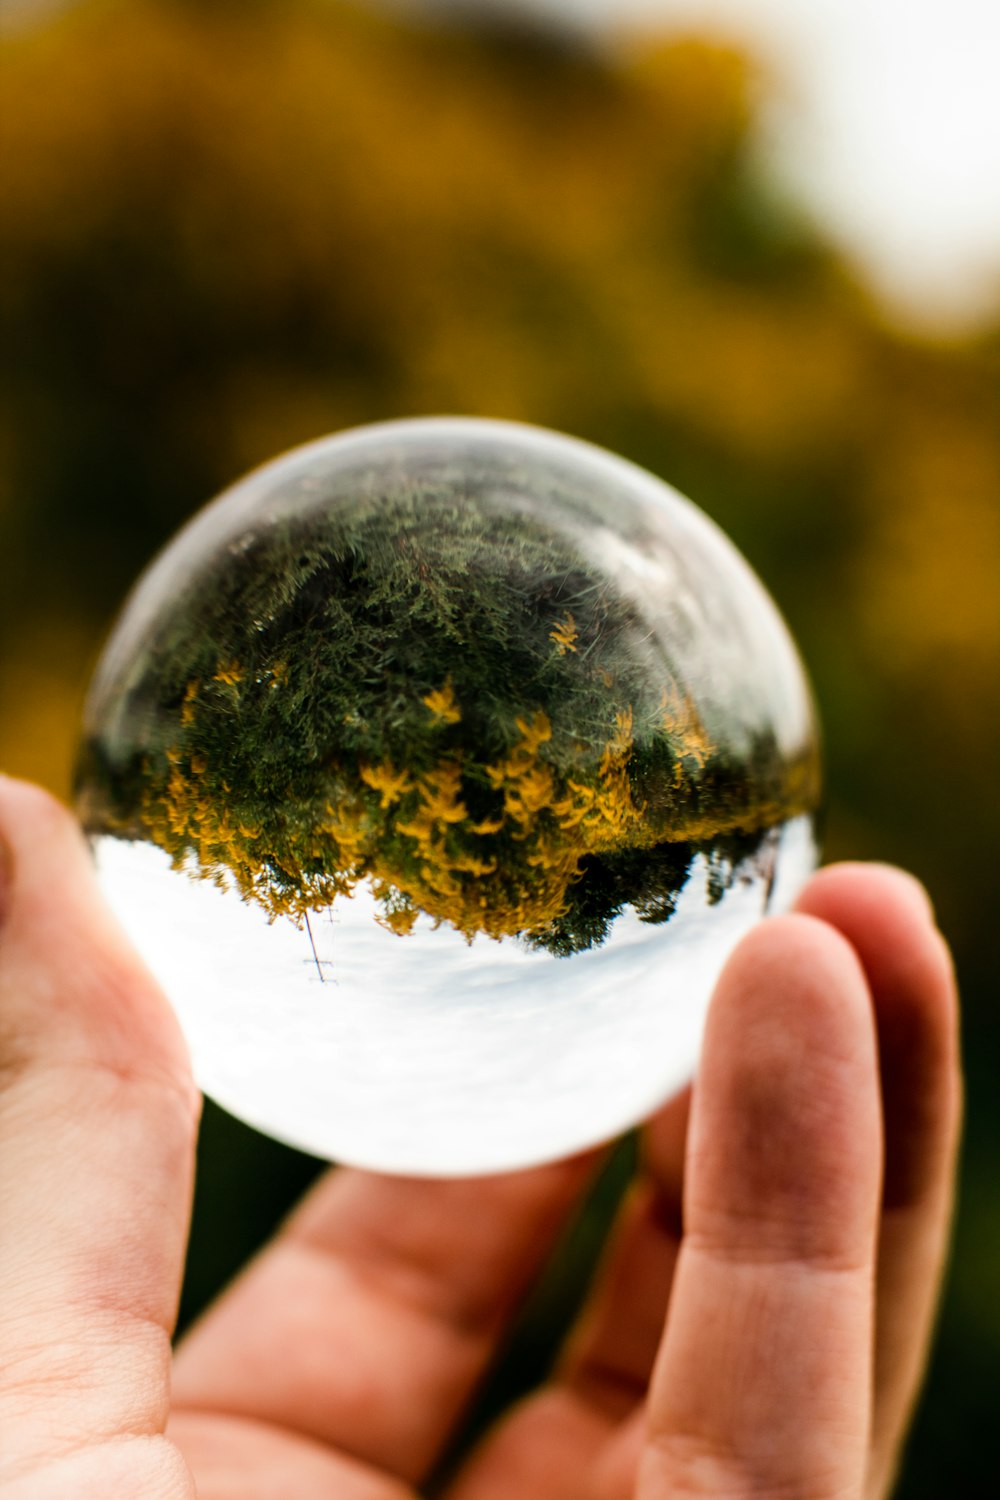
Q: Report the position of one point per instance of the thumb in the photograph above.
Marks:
(97, 1118)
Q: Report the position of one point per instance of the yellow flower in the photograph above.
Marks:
(487, 826)
(188, 706)
(534, 733)
(399, 919)
(573, 808)
(564, 634)
(392, 784)
(230, 674)
(442, 705)
(684, 726)
(419, 828)
(532, 792)
(440, 794)
(468, 864)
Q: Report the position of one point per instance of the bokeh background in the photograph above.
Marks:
(230, 226)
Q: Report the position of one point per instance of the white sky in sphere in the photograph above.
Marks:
(886, 122)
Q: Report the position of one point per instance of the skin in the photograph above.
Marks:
(759, 1327)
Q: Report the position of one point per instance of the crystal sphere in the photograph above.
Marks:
(435, 769)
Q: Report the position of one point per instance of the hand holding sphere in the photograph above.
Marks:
(442, 772)
(793, 1233)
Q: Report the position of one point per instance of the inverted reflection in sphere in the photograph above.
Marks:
(435, 769)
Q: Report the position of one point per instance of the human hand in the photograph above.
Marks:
(340, 1362)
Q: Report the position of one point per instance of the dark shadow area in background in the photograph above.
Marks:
(245, 1185)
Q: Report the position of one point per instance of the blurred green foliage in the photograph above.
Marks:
(230, 228)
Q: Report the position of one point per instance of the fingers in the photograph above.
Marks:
(236, 1458)
(886, 917)
(368, 1323)
(763, 1380)
(555, 1442)
(610, 1354)
(576, 1436)
(97, 1113)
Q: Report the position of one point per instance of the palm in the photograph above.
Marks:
(726, 1347)
(391, 1297)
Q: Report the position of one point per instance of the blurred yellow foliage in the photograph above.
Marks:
(564, 635)
(442, 704)
(228, 228)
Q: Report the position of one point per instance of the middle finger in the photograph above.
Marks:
(556, 1443)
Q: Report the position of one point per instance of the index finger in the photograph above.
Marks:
(387, 1298)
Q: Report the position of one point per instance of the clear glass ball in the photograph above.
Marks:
(435, 769)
